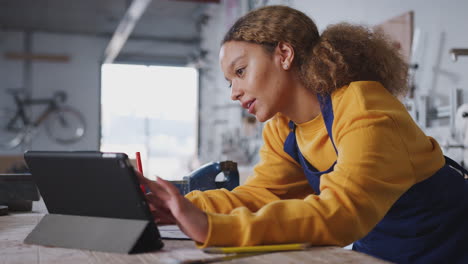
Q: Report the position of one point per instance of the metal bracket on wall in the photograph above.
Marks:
(455, 53)
(456, 98)
(448, 111)
(36, 57)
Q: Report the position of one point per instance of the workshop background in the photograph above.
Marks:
(51, 45)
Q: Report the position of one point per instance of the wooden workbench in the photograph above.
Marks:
(15, 227)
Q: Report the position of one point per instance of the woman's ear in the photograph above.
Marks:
(285, 53)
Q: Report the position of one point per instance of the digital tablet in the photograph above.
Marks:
(88, 183)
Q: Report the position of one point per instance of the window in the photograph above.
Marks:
(153, 110)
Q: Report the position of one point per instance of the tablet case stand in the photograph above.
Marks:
(117, 235)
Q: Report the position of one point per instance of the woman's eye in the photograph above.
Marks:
(230, 85)
(240, 71)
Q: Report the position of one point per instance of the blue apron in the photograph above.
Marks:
(427, 224)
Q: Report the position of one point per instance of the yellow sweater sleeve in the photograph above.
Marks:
(381, 154)
(276, 177)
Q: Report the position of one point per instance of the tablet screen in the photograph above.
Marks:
(88, 184)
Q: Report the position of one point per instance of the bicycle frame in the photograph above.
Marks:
(23, 104)
(62, 123)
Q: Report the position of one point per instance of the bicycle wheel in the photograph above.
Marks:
(65, 125)
(11, 135)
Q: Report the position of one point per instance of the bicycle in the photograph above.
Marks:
(62, 123)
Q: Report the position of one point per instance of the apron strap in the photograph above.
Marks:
(290, 145)
(327, 112)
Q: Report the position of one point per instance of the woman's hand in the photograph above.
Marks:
(170, 207)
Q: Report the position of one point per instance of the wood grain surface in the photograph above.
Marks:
(15, 227)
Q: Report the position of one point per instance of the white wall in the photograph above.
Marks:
(11, 72)
(442, 26)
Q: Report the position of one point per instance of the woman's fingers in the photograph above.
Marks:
(163, 217)
(153, 186)
(159, 190)
(155, 201)
(162, 188)
(171, 207)
(169, 187)
(142, 179)
(159, 210)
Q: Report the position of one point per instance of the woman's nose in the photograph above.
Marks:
(235, 92)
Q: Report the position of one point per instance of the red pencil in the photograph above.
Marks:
(140, 169)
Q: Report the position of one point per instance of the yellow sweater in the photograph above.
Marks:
(381, 154)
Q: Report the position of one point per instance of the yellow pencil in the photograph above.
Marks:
(252, 249)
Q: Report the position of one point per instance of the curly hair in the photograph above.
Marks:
(343, 53)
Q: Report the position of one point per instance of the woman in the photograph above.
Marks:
(342, 160)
